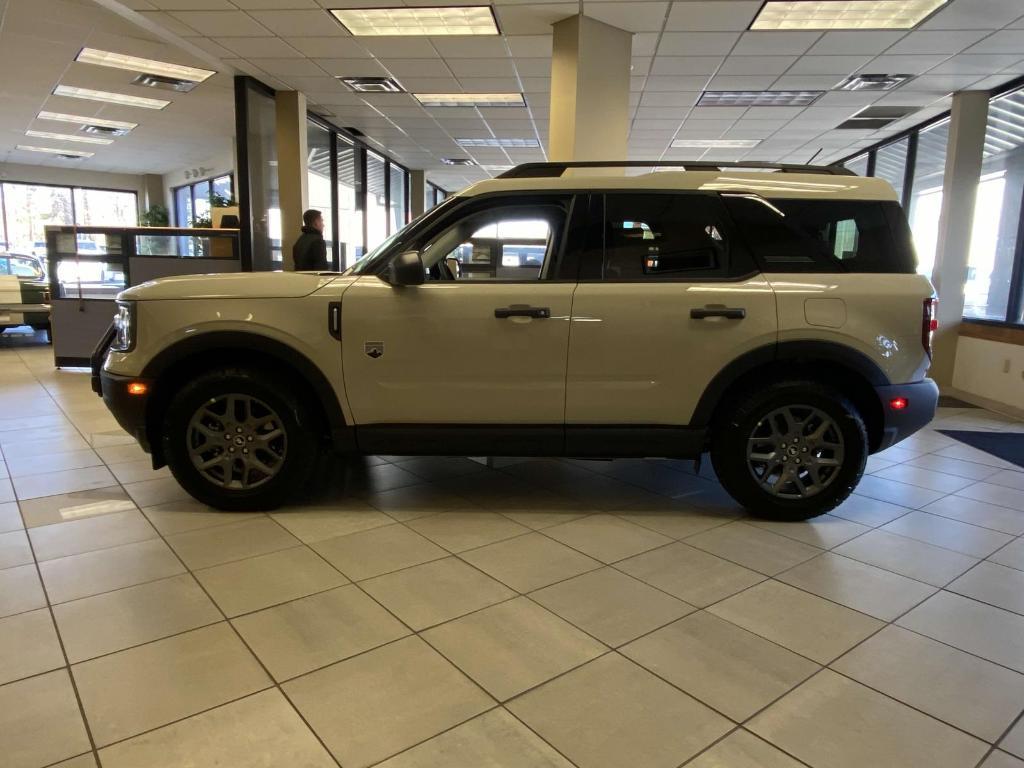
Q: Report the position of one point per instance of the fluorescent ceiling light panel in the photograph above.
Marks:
(83, 120)
(715, 143)
(446, 20)
(67, 137)
(517, 143)
(758, 98)
(470, 99)
(52, 151)
(123, 99)
(497, 168)
(845, 14)
(137, 64)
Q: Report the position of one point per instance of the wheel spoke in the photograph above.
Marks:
(798, 434)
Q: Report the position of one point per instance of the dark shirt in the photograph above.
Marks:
(310, 251)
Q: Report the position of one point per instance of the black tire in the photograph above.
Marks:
(729, 443)
(301, 443)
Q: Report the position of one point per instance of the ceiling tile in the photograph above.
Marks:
(530, 46)
(854, 43)
(941, 83)
(250, 5)
(778, 43)
(281, 67)
(975, 64)
(631, 16)
(644, 43)
(756, 65)
(467, 47)
(720, 15)
(685, 65)
(741, 82)
(668, 99)
(805, 83)
(1006, 41)
(828, 65)
(696, 43)
(327, 47)
(906, 65)
(351, 67)
(416, 67)
(295, 23)
(222, 23)
(533, 19)
(430, 84)
(482, 67)
(975, 14)
(401, 47)
(666, 83)
(937, 42)
(169, 23)
(490, 84)
(251, 47)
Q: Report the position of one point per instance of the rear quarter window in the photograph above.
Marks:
(791, 235)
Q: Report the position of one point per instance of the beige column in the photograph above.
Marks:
(959, 191)
(292, 159)
(152, 191)
(589, 90)
(417, 192)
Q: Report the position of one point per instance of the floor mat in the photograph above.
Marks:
(947, 401)
(1008, 446)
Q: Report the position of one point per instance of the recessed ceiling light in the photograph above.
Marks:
(470, 99)
(67, 137)
(715, 143)
(83, 120)
(449, 20)
(844, 14)
(457, 161)
(519, 143)
(373, 84)
(872, 82)
(758, 98)
(53, 151)
(137, 64)
(123, 99)
(497, 168)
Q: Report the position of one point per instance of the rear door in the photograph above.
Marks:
(667, 297)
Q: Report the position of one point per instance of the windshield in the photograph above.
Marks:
(371, 258)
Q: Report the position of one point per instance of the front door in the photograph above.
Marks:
(484, 340)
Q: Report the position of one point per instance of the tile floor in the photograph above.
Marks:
(447, 612)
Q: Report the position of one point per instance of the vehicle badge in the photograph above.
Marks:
(374, 349)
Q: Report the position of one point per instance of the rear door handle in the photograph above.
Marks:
(519, 310)
(731, 313)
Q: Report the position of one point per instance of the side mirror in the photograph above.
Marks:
(406, 269)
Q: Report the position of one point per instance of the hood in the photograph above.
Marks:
(242, 285)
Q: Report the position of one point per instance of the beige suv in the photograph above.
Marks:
(771, 316)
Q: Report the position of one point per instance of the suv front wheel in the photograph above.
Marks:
(239, 439)
(791, 451)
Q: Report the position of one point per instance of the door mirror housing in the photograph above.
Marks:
(406, 269)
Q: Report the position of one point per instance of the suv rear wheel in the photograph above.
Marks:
(238, 439)
(791, 451)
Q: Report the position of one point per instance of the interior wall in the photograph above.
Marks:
(72, 177)
(980, 371)
(217, 164)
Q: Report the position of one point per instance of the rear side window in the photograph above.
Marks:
(788, 235)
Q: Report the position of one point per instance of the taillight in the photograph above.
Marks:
(929, 323)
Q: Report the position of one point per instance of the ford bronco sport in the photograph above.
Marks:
(770, 316)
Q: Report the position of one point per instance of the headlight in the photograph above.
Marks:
(124, 327)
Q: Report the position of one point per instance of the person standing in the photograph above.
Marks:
(310, 251)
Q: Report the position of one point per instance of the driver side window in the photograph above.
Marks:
(508, 242)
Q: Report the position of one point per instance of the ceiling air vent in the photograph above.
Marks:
(457, 161)
(864, 82)
(164, 83)
(872, 118)
(104, 130)
(372, 84)
(69, 157)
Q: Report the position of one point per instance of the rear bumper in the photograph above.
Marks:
(128, 409)
(898, 424)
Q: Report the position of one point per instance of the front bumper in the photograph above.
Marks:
(129, 410)
(922, 397)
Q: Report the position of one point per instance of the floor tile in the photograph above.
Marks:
(494, 738)
(28, 645)
(40, 722)
(149, 493)
(611, 606)
(1008, 477)
(991, 633)
(48, 445)
(20, 590)
(317, 524)
(988, 492)
(91, 573)
(994, 584)
(611, 713)
(259, 731)
(20, 466)
(675, 520)
(132, 691)
(225, 543)
(10, 517)
(14, 549)
(754, 548)
(417, 501)
(438, 467)
(378, 551)
(543, 517)
(969, 453)
(462, 530)
(190, 515)
(717, 662)
(1013, 742)
(999, 759)
(382, 702)
(868, 511)
(117, 454)
(951, 534)
(82, 761)
(514, 646)
(434, 592)
(924, 562)
(66, 481)
(690, 574)
(247, 585)
(75, 506)
(956, 467)
(865, 588)
(306, 634)
(77, 536)
(904, 494)
(101, 624)
(607, 538)
(924, 478)
(1012, 555)
(885, 731)
(825, 531)
(801, 622)
(955, 687)
(529, 562)
(741, 749)
(979, 513)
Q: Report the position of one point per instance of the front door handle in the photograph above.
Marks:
(521, 310)
(730, 313)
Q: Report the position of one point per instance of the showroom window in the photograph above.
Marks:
(858, 165)
(926, 193)
(376, 200)
(398, 196)
(318, 179)
(891, 164)
(192, 201)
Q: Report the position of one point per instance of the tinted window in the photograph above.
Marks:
(823, 235)
(660, 236)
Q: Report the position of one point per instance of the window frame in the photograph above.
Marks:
(191, 186)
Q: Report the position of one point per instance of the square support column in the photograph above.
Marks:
(589, 90)
(956, 221)
(292, 162)
(417, 192)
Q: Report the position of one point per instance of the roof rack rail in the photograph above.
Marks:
(554, 170)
